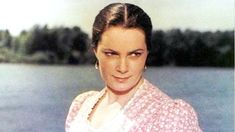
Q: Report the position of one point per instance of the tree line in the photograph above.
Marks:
(63, 45)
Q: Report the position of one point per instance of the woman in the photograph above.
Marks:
(121, 41)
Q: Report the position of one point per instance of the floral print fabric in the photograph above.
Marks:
(149, 110)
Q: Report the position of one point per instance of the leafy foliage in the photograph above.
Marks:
(63, 45)
(192, 48)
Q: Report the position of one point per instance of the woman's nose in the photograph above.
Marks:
(122, 66)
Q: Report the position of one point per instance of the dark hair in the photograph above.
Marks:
(121, 14)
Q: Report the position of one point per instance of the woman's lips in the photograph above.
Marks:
(121, 79)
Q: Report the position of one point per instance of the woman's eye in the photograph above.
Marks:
(136, 54)
(109, 53)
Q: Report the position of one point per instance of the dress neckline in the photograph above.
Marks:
(93, 101)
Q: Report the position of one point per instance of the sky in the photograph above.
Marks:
(202, 15)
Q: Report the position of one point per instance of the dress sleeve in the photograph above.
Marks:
(75, 106)
(176, 116)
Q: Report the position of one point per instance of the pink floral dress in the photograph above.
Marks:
(149, 110)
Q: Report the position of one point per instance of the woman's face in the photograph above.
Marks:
(121, 54)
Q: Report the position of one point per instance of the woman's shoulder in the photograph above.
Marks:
(82, 97)
(175, 114)
(178, 115)
(165, 101)
(179, 107)
(76, 105)
(79, 100)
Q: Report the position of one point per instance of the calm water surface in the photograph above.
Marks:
(37, 98)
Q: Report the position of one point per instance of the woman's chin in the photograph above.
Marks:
(118, 87)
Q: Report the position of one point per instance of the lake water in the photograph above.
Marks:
(37, 98)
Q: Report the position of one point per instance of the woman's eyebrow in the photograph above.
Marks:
(130, 52)
(137, 50)
(109, 50)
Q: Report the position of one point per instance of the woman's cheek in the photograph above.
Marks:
(136, 68)
(107, 64)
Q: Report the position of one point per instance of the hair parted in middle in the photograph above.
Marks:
(121, 14)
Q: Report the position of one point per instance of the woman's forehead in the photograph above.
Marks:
(123, 40)
(117, 35)
(121, 29)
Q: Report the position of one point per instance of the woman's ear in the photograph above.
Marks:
(94, 51)
(147, 58)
